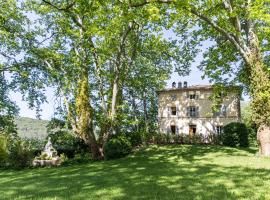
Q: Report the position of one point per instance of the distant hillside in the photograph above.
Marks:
(31, 128)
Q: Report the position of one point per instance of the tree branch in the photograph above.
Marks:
(145, 2)
(61, 9)
(229, 36)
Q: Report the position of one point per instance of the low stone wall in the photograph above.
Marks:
(43, 163)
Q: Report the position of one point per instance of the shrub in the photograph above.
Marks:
(136, 138)
(117, 147)
(68, 143)
(63, 158)
(3, 150)
(235, 134)
(160, 138)
(20, 154)
(197, 139)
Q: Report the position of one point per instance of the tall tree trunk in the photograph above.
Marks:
(260, 93)
(115, 91)
(85, 117)
(146, 128)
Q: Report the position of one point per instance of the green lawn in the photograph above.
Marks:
(167, 172)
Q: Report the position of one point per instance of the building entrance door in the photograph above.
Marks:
(192, 130)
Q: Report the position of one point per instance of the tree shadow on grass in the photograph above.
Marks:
(155, 173)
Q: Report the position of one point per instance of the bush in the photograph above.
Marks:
(136, 138)
(20, 154)
(68, 143)
(235, 134)
(3, 150)
(117, 147)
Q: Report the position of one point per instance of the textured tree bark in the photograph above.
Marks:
(85, 117)
(263, 136)
(145, 113)
(260, 93)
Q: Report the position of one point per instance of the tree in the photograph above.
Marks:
(236, 31)
(94, 52)
(17, 72)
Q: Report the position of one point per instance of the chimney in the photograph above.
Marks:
(185, 84)
(179, 84)
(173, 85)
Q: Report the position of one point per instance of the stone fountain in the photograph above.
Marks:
(48, 156)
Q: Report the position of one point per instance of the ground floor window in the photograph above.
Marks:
(219, 129)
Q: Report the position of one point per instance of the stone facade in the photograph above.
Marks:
(188, 110)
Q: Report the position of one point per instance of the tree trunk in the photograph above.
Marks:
(85, 117)
(114, 99)
(260, 93)
(263, 136)
(145, 113)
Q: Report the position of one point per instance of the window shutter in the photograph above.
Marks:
(188, 112)
(168, 111)
(197, 111)
(197, 94)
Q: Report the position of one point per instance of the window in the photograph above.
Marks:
(173, 97)
(173, 110)
(192, 111)
(221, 111)
(192, 96)
(219, 129)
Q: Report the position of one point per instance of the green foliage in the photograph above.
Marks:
(235, 134)
(165, 138)
(117, 147)
(3, 150)
(20, 154)
(246, 113)
(63, 158)
(68, 143)
(136, 138)
(64, 140)
(77, 159)
(7, 124)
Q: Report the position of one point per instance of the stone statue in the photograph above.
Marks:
(49, 150)
(48, 157)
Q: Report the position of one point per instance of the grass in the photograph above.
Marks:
(166, 172)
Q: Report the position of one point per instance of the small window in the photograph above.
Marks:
(219, 129)
(192, 111)
(173, 110)
(173, 97)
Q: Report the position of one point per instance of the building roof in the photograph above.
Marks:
(192, 87)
